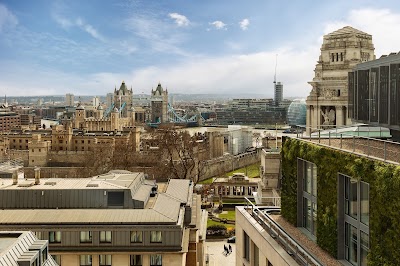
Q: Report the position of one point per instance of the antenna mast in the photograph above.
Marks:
(276, 64)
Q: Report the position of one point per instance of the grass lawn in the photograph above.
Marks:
(207, 181)
(230, 215)
(253, 170)
(228, 226)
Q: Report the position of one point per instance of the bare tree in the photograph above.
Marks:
(180, 155)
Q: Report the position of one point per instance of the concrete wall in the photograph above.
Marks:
(229, 163)
(269, 249)
(213, 168)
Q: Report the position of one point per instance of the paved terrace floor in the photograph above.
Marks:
(383, 150)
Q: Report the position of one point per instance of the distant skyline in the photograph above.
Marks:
(192, 47)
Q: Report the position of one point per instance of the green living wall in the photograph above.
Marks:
(384, 180)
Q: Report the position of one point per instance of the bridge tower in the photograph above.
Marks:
(159, 105)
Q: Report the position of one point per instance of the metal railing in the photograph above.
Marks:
(292, 247)
(269, 201)
(385, 150)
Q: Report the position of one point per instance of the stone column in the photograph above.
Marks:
(308, 120)
(339, 116)
(315, 121)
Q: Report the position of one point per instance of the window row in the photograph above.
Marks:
(106, 236)
(106, 260)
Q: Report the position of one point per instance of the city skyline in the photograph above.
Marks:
(53, 48)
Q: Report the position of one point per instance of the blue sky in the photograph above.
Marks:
(207, 46)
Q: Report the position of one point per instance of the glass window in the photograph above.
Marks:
(85, 260)
(86, 237)
(307, 178)
(351, 243)
(155, 237)
(356, 220)
(364, 245)
(364, 197)
(155, 259)
(309, 208)
(44, 255)
(307, 214)
(246, 246)
(105, 260)
(57, 258)
(314, 180)
(136, 236)
(256, 256)
(136, 260)
(55, 237)
(105, 236)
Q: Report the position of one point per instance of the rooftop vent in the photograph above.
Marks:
(26, 184)
(50, 183)
(92, 185)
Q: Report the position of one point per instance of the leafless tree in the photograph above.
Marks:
(180, 155)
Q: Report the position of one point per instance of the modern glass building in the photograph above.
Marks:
(297, 111)
(374, 93)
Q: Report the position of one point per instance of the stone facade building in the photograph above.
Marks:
(341, 50)
(111, 219)
(119, 115)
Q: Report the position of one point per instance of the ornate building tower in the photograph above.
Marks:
(80, 116)
(159, 105)
(123, 99)
(327, 104)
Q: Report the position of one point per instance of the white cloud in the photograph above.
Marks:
(89, 29)
(382, 24)
(7, 18)
(219, 25)
(240, 73)
(244, 24)
(180, 20)
(66, 23)
(63, 22)
(249, 73)
(160, 36)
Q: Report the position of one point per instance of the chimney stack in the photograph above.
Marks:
(37, 175)
(15, 177)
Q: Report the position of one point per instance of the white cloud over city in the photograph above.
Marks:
(179, 19)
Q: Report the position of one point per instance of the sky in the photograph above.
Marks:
(189, 46)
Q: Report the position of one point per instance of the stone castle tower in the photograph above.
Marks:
(341, 50)
(80, 116)
(159, 105)
(118, 116)
(123, 99)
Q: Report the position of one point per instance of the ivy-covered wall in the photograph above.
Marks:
(384, 181)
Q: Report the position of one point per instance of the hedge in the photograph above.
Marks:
(384, 181)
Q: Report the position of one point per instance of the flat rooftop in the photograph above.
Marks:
(114, 179)
(165, 208)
